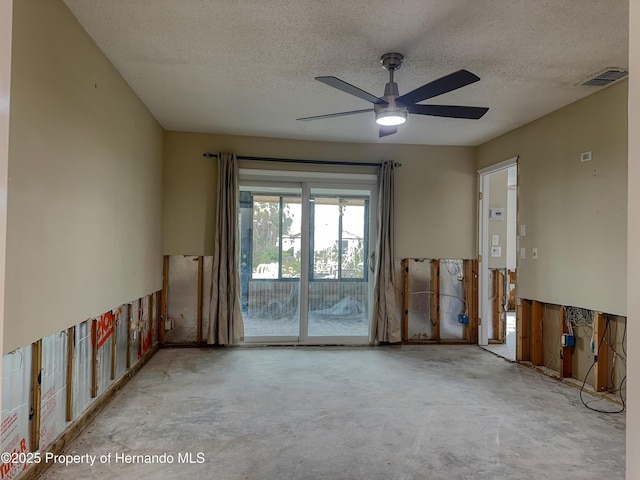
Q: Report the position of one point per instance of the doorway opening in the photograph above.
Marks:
(498, 186)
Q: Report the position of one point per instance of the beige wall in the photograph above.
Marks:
(633, 279)
(84, 230)
(6, 9)
(435, 189)
(575, 213)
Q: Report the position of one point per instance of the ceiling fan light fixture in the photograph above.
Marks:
(391, 118)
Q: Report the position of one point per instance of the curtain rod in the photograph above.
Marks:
(296, 160)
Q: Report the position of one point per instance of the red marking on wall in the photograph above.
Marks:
(12, 469)
(104, 327)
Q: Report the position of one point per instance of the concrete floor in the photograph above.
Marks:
(417, 412)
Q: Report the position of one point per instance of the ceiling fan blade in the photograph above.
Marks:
(350, 89)
(331, 115)
(442, 85)
(450, 111)
(384, 131)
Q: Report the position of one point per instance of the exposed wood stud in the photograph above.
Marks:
(498, 306)
(71, 344)
(566, 353)
(152, 318)
(473, 318)
(523, 329)
(94, 358)
(601, 381)
(139, 328)
(199, 312)
(163, 300)
(435, 300)
(129, 323)
(468, 293)
(511, 293)
(536, 333)
(36, 394)
(405, 299)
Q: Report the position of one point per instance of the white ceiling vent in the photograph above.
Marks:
(606, 77)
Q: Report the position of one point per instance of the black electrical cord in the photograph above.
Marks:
(595, 360)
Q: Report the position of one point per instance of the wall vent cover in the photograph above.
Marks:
(606, 77)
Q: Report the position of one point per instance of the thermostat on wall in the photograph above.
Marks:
(496, 213)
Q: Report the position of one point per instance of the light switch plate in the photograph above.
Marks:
(534, 253)
(495, 239)
(523, 252)
(523, 230)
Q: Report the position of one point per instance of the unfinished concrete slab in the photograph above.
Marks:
(436, 412)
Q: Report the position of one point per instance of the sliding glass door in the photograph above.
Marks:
(339, 270)
(305, 250)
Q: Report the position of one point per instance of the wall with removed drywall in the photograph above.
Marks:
(84, 229)
(435, 189)
(575, 212)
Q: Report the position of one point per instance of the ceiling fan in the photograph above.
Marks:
(392, 109)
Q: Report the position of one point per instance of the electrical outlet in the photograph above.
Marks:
(534, 253)
(496, 251)
(523, 252)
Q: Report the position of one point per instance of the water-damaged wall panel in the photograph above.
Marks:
(551, 344)
(452, 302)
(53, 387)
(104, 365)
(399, 277)
(182, 299)
(145, 326)
(16, 386)
(420, 298)
(155, 299)
(207, 270)
(82, 369)
(122, 330)
(134, 332)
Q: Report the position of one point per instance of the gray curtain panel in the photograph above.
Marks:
(385, 321)
(225, 318)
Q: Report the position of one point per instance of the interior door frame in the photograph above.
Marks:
(484, 305)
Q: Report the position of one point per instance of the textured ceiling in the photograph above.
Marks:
(247, 67)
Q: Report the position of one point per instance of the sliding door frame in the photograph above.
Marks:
(307, 181)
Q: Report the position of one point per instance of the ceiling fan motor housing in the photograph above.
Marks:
(391, 112)
(391, 61)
